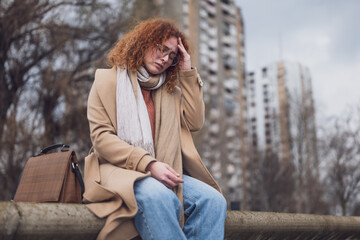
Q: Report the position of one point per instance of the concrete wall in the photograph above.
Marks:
(74, 221)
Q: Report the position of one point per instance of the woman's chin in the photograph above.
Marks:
(154, 70)
(150, 71)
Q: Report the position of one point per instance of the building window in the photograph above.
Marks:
(211, 3)
(229, 107)
(212, 72)
(226, 44)
(211, 15)
(226, 28)
(225, 12)
(264, 72)
(214, 101)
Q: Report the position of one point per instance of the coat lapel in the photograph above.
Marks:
(107, 92)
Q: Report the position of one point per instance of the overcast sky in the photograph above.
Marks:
(323, 35)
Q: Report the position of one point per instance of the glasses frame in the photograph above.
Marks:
(160, 52)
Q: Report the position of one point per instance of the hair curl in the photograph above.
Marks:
(130, 50)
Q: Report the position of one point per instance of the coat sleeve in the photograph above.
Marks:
(192, 104)
(104, 136)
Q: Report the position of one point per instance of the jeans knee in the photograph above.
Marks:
(218, 203)
(153, 193)
(222, 204)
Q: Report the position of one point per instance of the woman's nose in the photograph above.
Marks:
(165, 58)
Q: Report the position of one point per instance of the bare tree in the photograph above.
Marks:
(341, 149)
(309, 187)
(271, 183)
(49, 52)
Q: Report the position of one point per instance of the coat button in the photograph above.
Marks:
(131, 165)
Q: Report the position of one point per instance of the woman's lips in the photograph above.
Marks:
(159, 66)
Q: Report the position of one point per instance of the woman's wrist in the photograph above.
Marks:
(186, 65)
(149, 166)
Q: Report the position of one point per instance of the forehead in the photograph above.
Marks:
(171, 43)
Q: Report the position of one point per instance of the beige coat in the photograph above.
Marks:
(113, 166)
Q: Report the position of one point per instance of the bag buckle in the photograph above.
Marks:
(65, 148)
(74, 166)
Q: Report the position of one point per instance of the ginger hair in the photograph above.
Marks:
(130, 50)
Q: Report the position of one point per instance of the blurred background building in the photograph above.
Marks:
(216, 31)
(281, 112)
(282, 124)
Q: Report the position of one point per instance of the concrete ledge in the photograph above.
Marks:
(47, 221)
(269, 225)
(74, 221)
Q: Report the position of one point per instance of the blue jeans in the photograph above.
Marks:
(159, 211)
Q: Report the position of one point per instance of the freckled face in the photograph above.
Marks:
(154, 62)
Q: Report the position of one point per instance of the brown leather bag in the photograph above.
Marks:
(51, 177)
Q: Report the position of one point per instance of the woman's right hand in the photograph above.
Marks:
(164, 173)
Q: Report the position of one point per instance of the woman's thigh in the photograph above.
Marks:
(149, 191)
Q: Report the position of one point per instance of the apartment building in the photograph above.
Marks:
(281, 114)
(216, 32)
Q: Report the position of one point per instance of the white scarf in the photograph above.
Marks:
(133, 123)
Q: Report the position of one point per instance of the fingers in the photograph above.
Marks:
(186, 61)
(172, 170)
(165, 174)
(174, 176)
(168, 182)
(181, 47)
(171, 180)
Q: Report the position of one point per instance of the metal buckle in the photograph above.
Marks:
(74, 166)
(65, 148)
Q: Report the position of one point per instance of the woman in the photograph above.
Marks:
(144, 173)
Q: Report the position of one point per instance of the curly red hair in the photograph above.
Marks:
(130, 50)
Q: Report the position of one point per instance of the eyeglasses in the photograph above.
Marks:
(163, 51)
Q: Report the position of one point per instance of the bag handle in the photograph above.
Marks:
(75, 169)
(64, 148)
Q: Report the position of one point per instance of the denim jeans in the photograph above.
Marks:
(159, 211)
